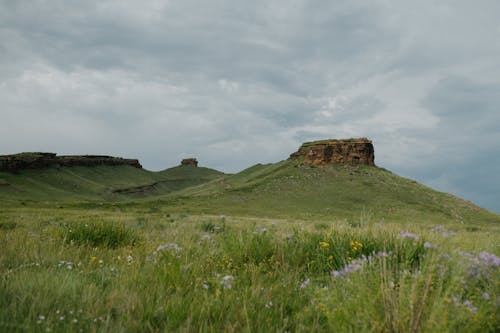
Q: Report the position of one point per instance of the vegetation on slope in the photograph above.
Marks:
(201, 273)
(356, 193)
(97, 183)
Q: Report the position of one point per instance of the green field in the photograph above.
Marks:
(274, 248)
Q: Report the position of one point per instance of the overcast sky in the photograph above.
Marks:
(235, 83)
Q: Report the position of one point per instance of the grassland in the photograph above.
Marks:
(275, 248)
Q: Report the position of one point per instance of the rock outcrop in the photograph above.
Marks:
(189, 162)
(328, 152)
(14, 163)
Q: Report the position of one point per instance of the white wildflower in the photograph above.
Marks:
(227, 281)
(169, 246)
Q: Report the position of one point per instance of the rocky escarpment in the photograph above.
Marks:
(328, 152)
(13, 163)
(190, 162)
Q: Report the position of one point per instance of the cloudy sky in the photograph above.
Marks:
(236, 83)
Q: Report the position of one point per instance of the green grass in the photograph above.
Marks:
(288, 190)
(71, 184)
(94, 234)
(248, 274)
(274, 248)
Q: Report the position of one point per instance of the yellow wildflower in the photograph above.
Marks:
(325, 245)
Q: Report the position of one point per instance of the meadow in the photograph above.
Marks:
(156, 267)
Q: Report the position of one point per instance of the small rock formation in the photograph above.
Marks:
(189, 162)
(14, 163)
(328, 152)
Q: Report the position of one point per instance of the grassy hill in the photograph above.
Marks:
(298, 249)
(357, 193)
(285, 189)
(97, 183)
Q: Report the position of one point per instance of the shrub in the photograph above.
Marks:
(107, 234)
(8, 225)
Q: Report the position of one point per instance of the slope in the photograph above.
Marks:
(108, 182)
(357, 193)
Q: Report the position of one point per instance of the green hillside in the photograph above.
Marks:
(97, 183)
(357, 193)
(286, 189)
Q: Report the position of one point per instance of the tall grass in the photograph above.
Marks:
(107, 234)
(253, 276)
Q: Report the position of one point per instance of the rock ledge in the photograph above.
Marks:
(333, 151)
(14, 163)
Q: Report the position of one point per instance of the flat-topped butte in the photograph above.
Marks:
(336, 151)
(38, 160)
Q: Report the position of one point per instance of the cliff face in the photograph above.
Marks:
(327, 152)
(13, 163)
(190, 162)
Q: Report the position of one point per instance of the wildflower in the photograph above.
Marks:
(324, 245)
(438, 228)
(357, 264)
(356, 246)
(305, 283)
(61, 318)
(129, 259)
(469, 304)
(486, 295)
(227, 281)
(489, 259)
(75, 321)
(205, 285)
(169, 246)
(428, 245)
(269, 305)
(205, 237)
(409, 235)
(41, 317)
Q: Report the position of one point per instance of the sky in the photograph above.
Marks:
(235, 83)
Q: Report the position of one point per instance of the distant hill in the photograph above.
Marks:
(356, 192)
(328, 179)
(42, 177)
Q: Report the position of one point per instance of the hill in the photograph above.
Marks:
(358, 193)
(328, 179)
(109, 179)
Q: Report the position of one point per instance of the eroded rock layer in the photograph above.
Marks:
(190, 162)
(328, 152)
(13, 163)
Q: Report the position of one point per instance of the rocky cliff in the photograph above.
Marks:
(190, 162)
(13, 163)
(327, 152)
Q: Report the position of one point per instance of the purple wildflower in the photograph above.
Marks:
(404, 234)
(428, 245)
(305, 283)
(469, 304)
(438, 228)
(489, 259)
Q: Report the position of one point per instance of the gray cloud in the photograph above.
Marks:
(237, 83)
